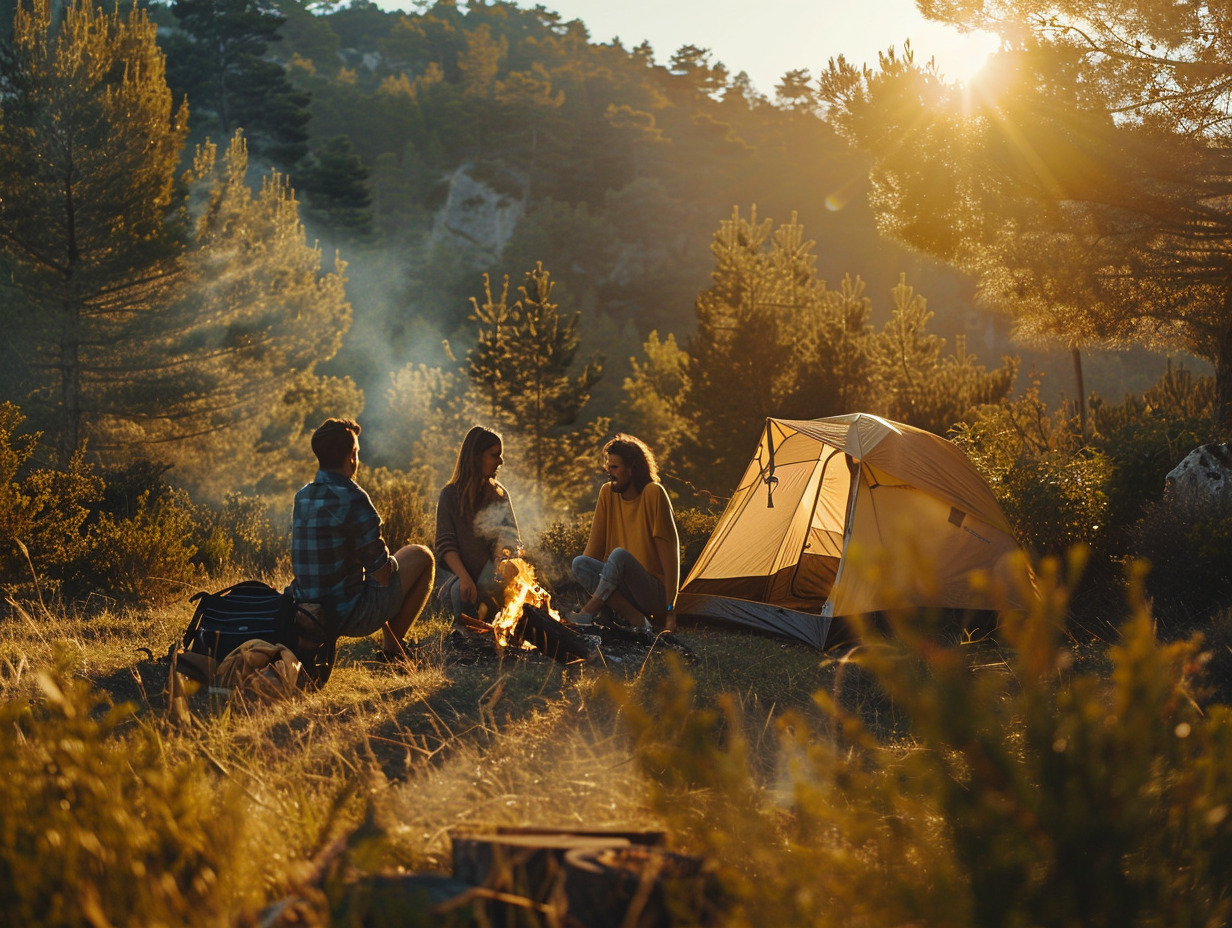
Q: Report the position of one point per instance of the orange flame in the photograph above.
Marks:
(517, 577)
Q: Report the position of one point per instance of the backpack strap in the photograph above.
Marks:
(195, 622)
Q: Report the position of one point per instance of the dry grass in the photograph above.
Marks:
(392, 758)
(774, 762)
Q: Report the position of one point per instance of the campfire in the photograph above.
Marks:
(521, 589)
(527, 620)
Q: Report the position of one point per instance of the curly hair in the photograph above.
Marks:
(640, 459)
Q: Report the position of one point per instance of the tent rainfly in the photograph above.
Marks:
(817, 489)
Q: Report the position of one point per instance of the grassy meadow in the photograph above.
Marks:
(383, 762)
(929, 777)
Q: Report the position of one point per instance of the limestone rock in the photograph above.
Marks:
(476, 217)
(1203, 479)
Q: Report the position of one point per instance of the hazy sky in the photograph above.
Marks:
(769, 37)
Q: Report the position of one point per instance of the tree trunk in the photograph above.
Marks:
(70, 371)
(1076, 355)
(1223, 383)
(70, 324)
(70, 400)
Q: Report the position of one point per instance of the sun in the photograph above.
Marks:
(962, 55)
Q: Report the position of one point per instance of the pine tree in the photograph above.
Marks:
(654, 395)
(773, 340)
(481, 61)
(89, 142)
(263, 316)
(794, 91)
(335, 185)
(523, 363)
(1085, 183)
(921, 387)
(830, 346)
(740, 366)
(692, 63)
(219, 62)
(490, 364)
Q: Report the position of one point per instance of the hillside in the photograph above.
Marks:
(490, 139)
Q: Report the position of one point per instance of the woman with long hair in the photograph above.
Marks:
(475, 526)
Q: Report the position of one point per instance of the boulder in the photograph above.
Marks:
(1203, 480)
(476, 218)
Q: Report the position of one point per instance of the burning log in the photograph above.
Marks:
(527, 619)
(535, 629)
(553, 637)
(520, 588)
(472, 624)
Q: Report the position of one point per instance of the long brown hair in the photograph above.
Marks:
(471, 484)
(637, 457)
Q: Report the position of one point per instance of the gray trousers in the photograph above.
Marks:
(622, 573)
(487, 588)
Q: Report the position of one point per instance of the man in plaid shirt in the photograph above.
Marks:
(339, 557)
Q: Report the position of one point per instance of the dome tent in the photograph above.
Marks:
(817, 489)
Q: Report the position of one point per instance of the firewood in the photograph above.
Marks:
(472, 624)
(553, 638)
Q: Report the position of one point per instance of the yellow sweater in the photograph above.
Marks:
(634, 524)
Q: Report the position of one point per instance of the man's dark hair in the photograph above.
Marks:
(333, 440)
(637, 456)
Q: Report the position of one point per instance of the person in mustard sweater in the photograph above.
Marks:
(632, 560)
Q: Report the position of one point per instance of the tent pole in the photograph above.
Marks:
(770, 480)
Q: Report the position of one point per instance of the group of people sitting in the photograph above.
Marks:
(630, 567)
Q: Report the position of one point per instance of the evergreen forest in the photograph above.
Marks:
(369, 179)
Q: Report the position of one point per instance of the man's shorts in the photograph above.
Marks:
(376, 606)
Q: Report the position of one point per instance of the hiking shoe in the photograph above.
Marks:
(396, 657)
(643, 625)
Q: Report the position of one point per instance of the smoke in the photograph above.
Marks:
(412, 294)
(492, 525)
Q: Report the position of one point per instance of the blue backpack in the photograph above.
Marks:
(253, 609)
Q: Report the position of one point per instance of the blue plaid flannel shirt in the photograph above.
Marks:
(335, 541)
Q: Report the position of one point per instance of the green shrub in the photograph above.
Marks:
(1146, 436)
(1052, 486)
(145, 558)
(1030, 792)
(138, 503)
(127, 485)
(97, 827)
(239, 537)
(1190, 552)
(694, 526)
(553, 549)
(42, 509)
(406, 502)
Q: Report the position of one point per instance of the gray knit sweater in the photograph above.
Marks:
(494, 527)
